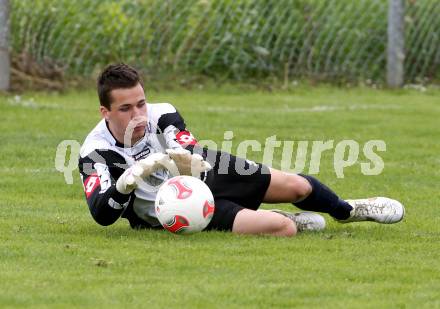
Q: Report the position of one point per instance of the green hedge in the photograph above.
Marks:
(237, 39)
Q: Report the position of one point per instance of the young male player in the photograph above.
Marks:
(138, 143)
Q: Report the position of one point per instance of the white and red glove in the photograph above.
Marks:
(187, 163)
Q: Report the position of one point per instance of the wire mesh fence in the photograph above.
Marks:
(238, 39)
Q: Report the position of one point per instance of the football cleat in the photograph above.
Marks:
(305, 221)
(378, 209)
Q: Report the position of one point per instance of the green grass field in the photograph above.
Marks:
(54, 255)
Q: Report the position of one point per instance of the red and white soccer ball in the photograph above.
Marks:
(184, 204)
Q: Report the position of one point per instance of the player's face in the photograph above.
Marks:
(127, 117)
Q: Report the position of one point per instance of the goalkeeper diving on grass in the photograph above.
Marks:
(138, 145)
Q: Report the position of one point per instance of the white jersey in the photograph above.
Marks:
(103, 159)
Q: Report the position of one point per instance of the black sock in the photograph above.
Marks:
(322, 199)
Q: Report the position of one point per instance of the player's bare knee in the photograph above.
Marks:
(300, 187)
(287, 227)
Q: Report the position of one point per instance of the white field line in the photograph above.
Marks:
(18, 170)
(312, 109)
(31, 103)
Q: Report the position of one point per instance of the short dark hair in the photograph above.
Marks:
(116, 76)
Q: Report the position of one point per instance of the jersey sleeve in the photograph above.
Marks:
(99, 172)
(172, 126)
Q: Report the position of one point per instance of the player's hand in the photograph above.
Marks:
(141, 169)
(145, 167)
(187, 163)
(127, 182)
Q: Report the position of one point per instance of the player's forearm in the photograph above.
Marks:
(106, 208)
(99, 171)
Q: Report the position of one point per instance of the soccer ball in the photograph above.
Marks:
(184, 204)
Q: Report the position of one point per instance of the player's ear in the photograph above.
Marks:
(104, 112)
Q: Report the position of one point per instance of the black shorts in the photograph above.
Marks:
(236, 184)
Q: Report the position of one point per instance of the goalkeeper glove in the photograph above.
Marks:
(132, 176)
(187, 163)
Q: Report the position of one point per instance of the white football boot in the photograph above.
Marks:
(305, 221)
(378, 209)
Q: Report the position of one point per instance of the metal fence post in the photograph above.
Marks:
(396, 43)
(5, 61)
